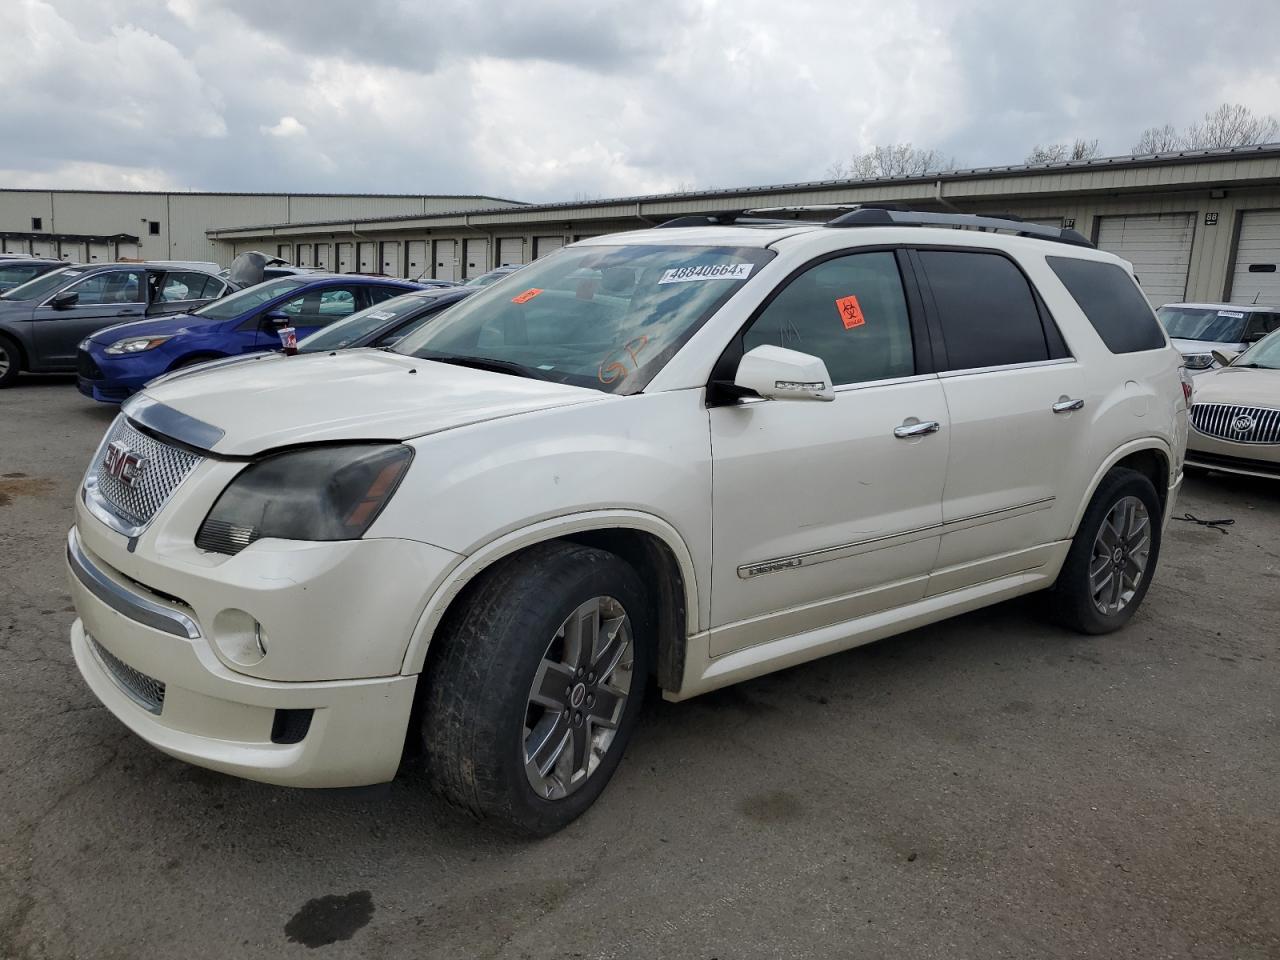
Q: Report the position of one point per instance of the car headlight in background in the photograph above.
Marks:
(316, 493)
(136, 345)
(1197, 361)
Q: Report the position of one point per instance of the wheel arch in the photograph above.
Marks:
(196, 356)
(1149, 456)
(647, 542)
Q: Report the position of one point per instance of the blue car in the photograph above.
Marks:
(115, 362)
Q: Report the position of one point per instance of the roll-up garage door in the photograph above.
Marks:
(98, 252)
(13, 245)
(418, 265)
(544, 245)
(126, 250)
(1158, 246)
(71, 250)
(510, 251)
(446, 259)
(475, 257)
(285, 252)
(322, 256)
(45, 248)
(392, 265)
(346, 258)
(305, 256)
(1256, 277)
(367, 254)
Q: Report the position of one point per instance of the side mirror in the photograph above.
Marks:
(1224, 357)
(777, 373)
(66, 299)
(276, 318)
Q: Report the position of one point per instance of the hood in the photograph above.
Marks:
(349, 395)
(1248, 386)
(1187, 347)
(167, 326)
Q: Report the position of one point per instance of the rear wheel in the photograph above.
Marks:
(533, 694)
(1113, 556)
(10, 362)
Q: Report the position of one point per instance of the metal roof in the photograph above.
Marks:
(969, 173)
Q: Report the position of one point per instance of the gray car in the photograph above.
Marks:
(43, 320)
(1197, 329)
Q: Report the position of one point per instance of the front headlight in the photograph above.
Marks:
(136, 345)
(318, 493)
(1197, 361)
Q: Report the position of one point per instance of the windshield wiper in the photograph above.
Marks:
(488, 363)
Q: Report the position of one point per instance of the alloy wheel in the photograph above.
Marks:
(578, 697)
(4, 362)
(1120, 553)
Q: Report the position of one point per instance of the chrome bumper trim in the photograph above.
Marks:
(145, 611)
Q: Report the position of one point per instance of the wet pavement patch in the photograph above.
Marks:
(331, 918)
(20, 485)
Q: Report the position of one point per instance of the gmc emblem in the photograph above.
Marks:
(122, 463)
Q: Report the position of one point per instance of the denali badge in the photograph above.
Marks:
(1243, 423)
(122, 463)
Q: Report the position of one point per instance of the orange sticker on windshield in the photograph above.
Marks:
(850, 312)
(526, 296)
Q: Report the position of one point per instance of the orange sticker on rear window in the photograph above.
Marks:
(850, 312)
(526, 296)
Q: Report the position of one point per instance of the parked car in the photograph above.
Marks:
(1235, 416)
(377, 326)
(117, 361)
(43, 320)
(493, 276)
(1198, 329)
(701, 453)
(14, 272)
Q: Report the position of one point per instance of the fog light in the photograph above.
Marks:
(239, 637)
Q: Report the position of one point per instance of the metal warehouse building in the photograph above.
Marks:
(1201, 225)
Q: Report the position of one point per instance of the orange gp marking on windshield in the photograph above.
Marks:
(850, 312)
(616, 368)
(526, 296)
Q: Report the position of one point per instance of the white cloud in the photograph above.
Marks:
(555, 99)
(287, 127)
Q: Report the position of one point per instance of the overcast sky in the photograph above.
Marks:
(560, 99)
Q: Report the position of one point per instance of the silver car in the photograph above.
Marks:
(1197, 329)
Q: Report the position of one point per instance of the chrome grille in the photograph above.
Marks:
(1237, 423)
(147, 692)
(163, 468)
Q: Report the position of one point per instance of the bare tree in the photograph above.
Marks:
(1054, 152)
(892, 160)
(1230, 125)
(1158, 140)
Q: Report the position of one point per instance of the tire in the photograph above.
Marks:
(10, 362)
(480, 719)
(1094, 553)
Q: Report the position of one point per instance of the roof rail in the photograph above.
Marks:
(724, 218)
(875, 216)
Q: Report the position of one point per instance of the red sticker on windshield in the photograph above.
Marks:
(526, 296)
(850, 312)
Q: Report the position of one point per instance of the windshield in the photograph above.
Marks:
(607, 317)
(359, 325)
(42, 285)
(1203, 323)
(487, 278)
(249, 299)
(1265, 353)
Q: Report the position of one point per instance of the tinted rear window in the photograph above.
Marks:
(1112, 302)
(988, 313)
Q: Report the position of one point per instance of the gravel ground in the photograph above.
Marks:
(987, 787)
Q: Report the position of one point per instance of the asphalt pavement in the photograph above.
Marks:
(987, 787)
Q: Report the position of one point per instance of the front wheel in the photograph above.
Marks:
(532, 697)
(9, 362)
(1113, 556)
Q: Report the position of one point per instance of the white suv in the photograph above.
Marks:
(697, 453)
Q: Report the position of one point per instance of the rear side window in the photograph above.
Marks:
(988, 313)
(1113, 303)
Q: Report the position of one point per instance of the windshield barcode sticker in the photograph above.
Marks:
(1231, 313)
(715, 271)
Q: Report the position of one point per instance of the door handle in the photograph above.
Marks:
(1066, 405)
(920, 429)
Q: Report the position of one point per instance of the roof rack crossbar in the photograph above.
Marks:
(724, 218)
(868, 216)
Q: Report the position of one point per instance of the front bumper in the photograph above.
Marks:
(1245, 459)
(156, 662)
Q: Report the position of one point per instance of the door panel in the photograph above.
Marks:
(392, 265)
(510, 251)
(346, 258)
(475, 257)
(544, 245)
(446, 259)
(418, 264)
(107, 298)
(1158, 246)
(821, 513)
(367, 257)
